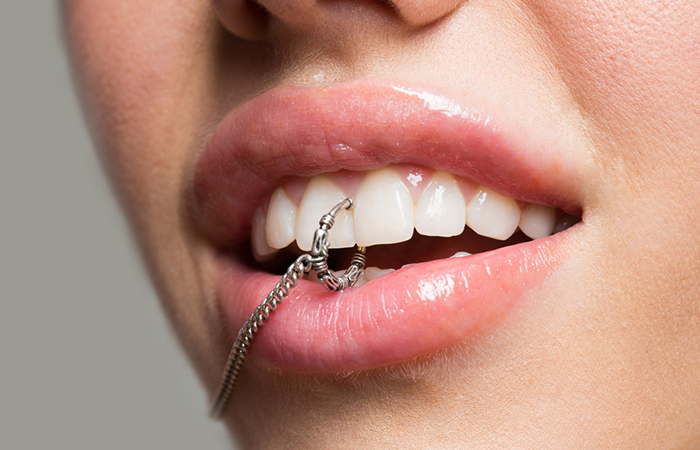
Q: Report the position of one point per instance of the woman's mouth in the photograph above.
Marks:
(462, 217)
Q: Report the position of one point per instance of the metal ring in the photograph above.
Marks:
(319, 250)
(318, 261)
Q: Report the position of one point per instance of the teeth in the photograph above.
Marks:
(261, 251)
(461, 255)
(385, 212)
(372, 273)
(441, 210)
(538, 221)
(281, 220)
(493, 215)
(321, 195)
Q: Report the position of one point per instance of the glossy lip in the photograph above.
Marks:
(364, 125)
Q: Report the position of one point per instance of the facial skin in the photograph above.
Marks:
(608, 356)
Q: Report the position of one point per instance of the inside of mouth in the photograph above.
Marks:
(418, 249)
(403, 215)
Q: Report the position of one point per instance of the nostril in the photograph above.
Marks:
(298, 13)
(246, 19)
(311, 13)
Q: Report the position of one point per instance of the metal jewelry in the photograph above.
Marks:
(316, 260)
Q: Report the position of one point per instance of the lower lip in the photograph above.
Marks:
(414, 311)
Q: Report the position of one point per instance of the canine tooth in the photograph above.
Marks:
(372, 273)
(493, 215)
(281, 220)
(565, 222)
(538, 221)
(321, 195)
(461, 255)
(385, 211)
(441, 210)
(261, 251)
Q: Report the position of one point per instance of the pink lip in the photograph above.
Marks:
(364, 125)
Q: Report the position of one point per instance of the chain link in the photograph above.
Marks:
(317, 261)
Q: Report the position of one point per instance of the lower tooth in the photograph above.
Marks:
(372, 273)
(456, 255)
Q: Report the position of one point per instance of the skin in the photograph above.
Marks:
(609, 359)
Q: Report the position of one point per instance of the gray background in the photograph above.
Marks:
(86, 359)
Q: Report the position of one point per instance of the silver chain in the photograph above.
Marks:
(316, 260)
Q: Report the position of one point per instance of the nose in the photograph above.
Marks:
(423, 12)
(245, 18)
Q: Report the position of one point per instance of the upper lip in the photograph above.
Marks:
(363, 125)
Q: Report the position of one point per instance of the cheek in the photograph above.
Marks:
(632, 66)
(633, 69)
(625, 52)
(135, 64)
(144, 77)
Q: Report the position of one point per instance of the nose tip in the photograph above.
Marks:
(424, 12)
(245, 18)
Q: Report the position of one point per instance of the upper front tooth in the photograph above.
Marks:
(385, 212)
(281, 220)
(441, 209)
(493, 215)
(261, 251)
(538, 221)
(321, 195)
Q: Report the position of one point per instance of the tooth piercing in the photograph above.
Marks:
(317, 261)
(319, 253)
